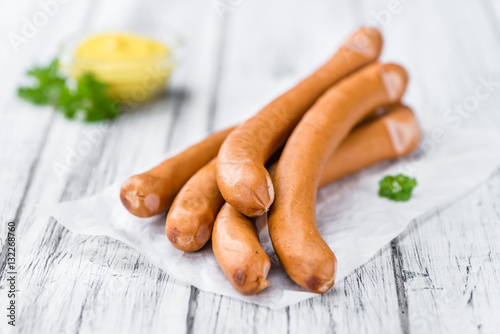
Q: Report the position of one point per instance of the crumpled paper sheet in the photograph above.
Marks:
(352, 218)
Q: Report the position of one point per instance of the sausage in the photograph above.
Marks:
(152, 192)
(192, 214)
(238, 251)
(292, 223)
(241, 175)
(191, 217)
(240, 255)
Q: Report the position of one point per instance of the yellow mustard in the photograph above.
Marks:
(134, 67)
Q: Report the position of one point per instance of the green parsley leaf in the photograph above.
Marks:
(47, 87)
(88, 100)
(397, 188)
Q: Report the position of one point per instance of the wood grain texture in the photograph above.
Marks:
(441, 275)
(25, 129)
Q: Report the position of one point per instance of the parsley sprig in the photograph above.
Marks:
(87, 100)
(397, 188)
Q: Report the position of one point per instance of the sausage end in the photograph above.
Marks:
(252, 197)
(182, 241)
(404, 131)
(317, 285)
(366, 41)
(395, 79)
(139, 196)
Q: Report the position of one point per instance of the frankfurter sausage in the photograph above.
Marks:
(241, 175)
(152, 192)
(192, 214)
(305, 256)
(238, 251)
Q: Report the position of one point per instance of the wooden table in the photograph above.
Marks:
(441, 275)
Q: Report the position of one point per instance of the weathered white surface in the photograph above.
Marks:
(442, 275)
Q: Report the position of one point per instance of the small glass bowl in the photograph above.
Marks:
(128, 81)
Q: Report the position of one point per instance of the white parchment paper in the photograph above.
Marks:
(352, 218)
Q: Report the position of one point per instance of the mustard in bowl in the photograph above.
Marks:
(133, 67)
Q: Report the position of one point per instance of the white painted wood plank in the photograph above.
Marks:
(85, 296)
(67, 255)
(368, 303)
(494, 7)
(363, 306)
(87, 272)
(440, 258)
(450, 264)
(23, 128)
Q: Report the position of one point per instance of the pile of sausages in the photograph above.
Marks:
(344, 117)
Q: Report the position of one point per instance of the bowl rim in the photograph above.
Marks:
(172, 40)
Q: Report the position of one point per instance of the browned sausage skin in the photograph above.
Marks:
(292, 223)
(152, 192)
(241, 175)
